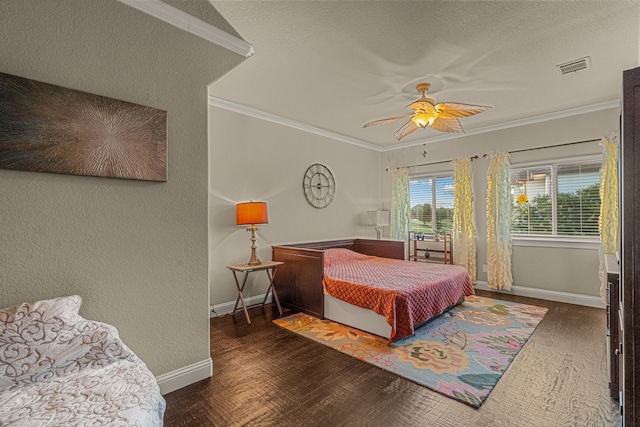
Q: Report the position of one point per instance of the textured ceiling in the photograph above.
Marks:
(336, 65)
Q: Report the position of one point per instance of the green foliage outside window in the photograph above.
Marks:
(422, 213)
(421, 219)
(578, 213)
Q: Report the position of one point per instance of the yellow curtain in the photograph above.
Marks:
(608, 221)
(464, 224)
(400, 204)
(499, 222)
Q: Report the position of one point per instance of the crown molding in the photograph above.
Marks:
(248, 111)
(191, 24)
(259, 114)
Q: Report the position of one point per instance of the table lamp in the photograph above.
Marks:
(250, 214)
(379, 219)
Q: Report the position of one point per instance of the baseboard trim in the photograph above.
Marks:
(227, 307)
(182, 377)
(578, 299)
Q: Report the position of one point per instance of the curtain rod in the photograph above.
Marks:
(429, 164)
(485, 155)
(510, 152)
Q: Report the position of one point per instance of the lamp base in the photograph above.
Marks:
(254, 260)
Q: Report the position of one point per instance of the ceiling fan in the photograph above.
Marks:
(442, 116)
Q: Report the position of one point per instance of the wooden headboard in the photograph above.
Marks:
(298, 281)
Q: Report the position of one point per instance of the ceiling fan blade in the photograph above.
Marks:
(405, 130)
(450, 110)
(385, 121)
(447, 125)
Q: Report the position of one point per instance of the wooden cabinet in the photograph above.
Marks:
(630, 260)
(294, 282)
(613, 324)
(440, 251)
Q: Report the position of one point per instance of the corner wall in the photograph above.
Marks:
(135, 251)
(252, 159)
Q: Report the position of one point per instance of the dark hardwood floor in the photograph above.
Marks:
(264, 375)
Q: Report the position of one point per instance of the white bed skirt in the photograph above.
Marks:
(356, 317)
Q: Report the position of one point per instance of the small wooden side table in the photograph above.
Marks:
(446, 250)
(271, 267)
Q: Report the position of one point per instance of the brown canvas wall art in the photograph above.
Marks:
(48, 128)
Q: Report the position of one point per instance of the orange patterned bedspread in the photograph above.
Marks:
(405, 293)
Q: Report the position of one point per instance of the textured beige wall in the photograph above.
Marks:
(557, 269)
(252, 159)
(135, 251)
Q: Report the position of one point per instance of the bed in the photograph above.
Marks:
(60, 369)
(366, 284)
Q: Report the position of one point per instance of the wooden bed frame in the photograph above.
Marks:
(299, 281)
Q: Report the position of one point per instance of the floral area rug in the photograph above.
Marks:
(461, 354)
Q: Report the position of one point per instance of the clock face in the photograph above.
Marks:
(319, 186)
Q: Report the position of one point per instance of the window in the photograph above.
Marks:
(431, 198)
(561, 199)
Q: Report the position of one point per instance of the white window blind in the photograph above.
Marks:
(431, 198)
(556, 200)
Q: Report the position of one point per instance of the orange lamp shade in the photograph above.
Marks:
(252, 213)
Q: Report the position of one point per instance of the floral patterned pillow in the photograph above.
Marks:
(64, 308)
(49, 338)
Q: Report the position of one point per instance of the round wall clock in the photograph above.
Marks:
(319, 186)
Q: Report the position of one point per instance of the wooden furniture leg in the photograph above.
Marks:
(240, 298)
(272, 274)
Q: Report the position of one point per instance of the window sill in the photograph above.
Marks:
(556, 242)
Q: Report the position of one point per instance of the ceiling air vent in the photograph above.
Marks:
(575, 65)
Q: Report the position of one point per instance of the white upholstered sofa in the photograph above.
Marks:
(59, 369)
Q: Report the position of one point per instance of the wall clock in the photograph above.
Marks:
(319, 186)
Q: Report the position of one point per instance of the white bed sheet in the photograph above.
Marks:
(356, 317)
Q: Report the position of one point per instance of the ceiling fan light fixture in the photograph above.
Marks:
(442, 117)
(424, 119)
